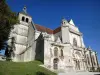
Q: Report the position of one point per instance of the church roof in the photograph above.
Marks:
(43, 29)
(48, 30)
(57, 30)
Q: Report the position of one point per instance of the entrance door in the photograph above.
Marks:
(55, 63)
(77, 64)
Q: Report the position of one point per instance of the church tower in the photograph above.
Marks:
(65, 31)
(23, 17)
(20, 35)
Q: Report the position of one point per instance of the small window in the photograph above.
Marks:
(75, 42)
(55, 51)
(23, 18)
(27, 20)
(61, 52)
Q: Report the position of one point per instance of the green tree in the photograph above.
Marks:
(7, 20)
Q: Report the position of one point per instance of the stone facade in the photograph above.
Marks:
(62, 49)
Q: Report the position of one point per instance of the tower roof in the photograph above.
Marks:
(24, 11)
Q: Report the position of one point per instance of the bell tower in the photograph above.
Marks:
(24, 17)
(21, 34)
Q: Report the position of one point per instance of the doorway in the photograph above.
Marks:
(55, 63)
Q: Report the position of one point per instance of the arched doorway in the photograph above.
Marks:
(77, 65)
(55, 63)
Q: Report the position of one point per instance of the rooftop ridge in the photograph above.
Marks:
(48, 30)
(44, 26)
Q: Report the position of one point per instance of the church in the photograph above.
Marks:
(61, 49)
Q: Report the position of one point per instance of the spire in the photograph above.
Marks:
(63, 19)
(71, 22)
(25, 9)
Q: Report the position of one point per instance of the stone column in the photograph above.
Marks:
(96, 60)
(90, 59)
(86, 60)
(82, 65)
(81, 40)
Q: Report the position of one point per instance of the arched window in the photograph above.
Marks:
(74, 42)
(61, 52)
(55, 51)
(23, 18)
(88, 61)
(27, 20)
(93, 60)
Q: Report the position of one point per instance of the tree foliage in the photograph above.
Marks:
(7, 20)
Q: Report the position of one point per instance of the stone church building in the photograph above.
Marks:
(61, 49)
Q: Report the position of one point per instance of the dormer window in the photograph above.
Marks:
(23, 18)
(27, 20)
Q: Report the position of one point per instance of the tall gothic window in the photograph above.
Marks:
(55, 51)
(93, 60)
(23, 18)
(61, 52)
(75, 42)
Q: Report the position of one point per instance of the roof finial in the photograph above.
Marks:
(63, 17)
(25, 9)
(89, 47)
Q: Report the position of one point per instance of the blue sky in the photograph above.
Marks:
(85, 13)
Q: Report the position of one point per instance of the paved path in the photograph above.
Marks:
(80, 73)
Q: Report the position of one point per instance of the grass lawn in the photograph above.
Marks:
(23, 68)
